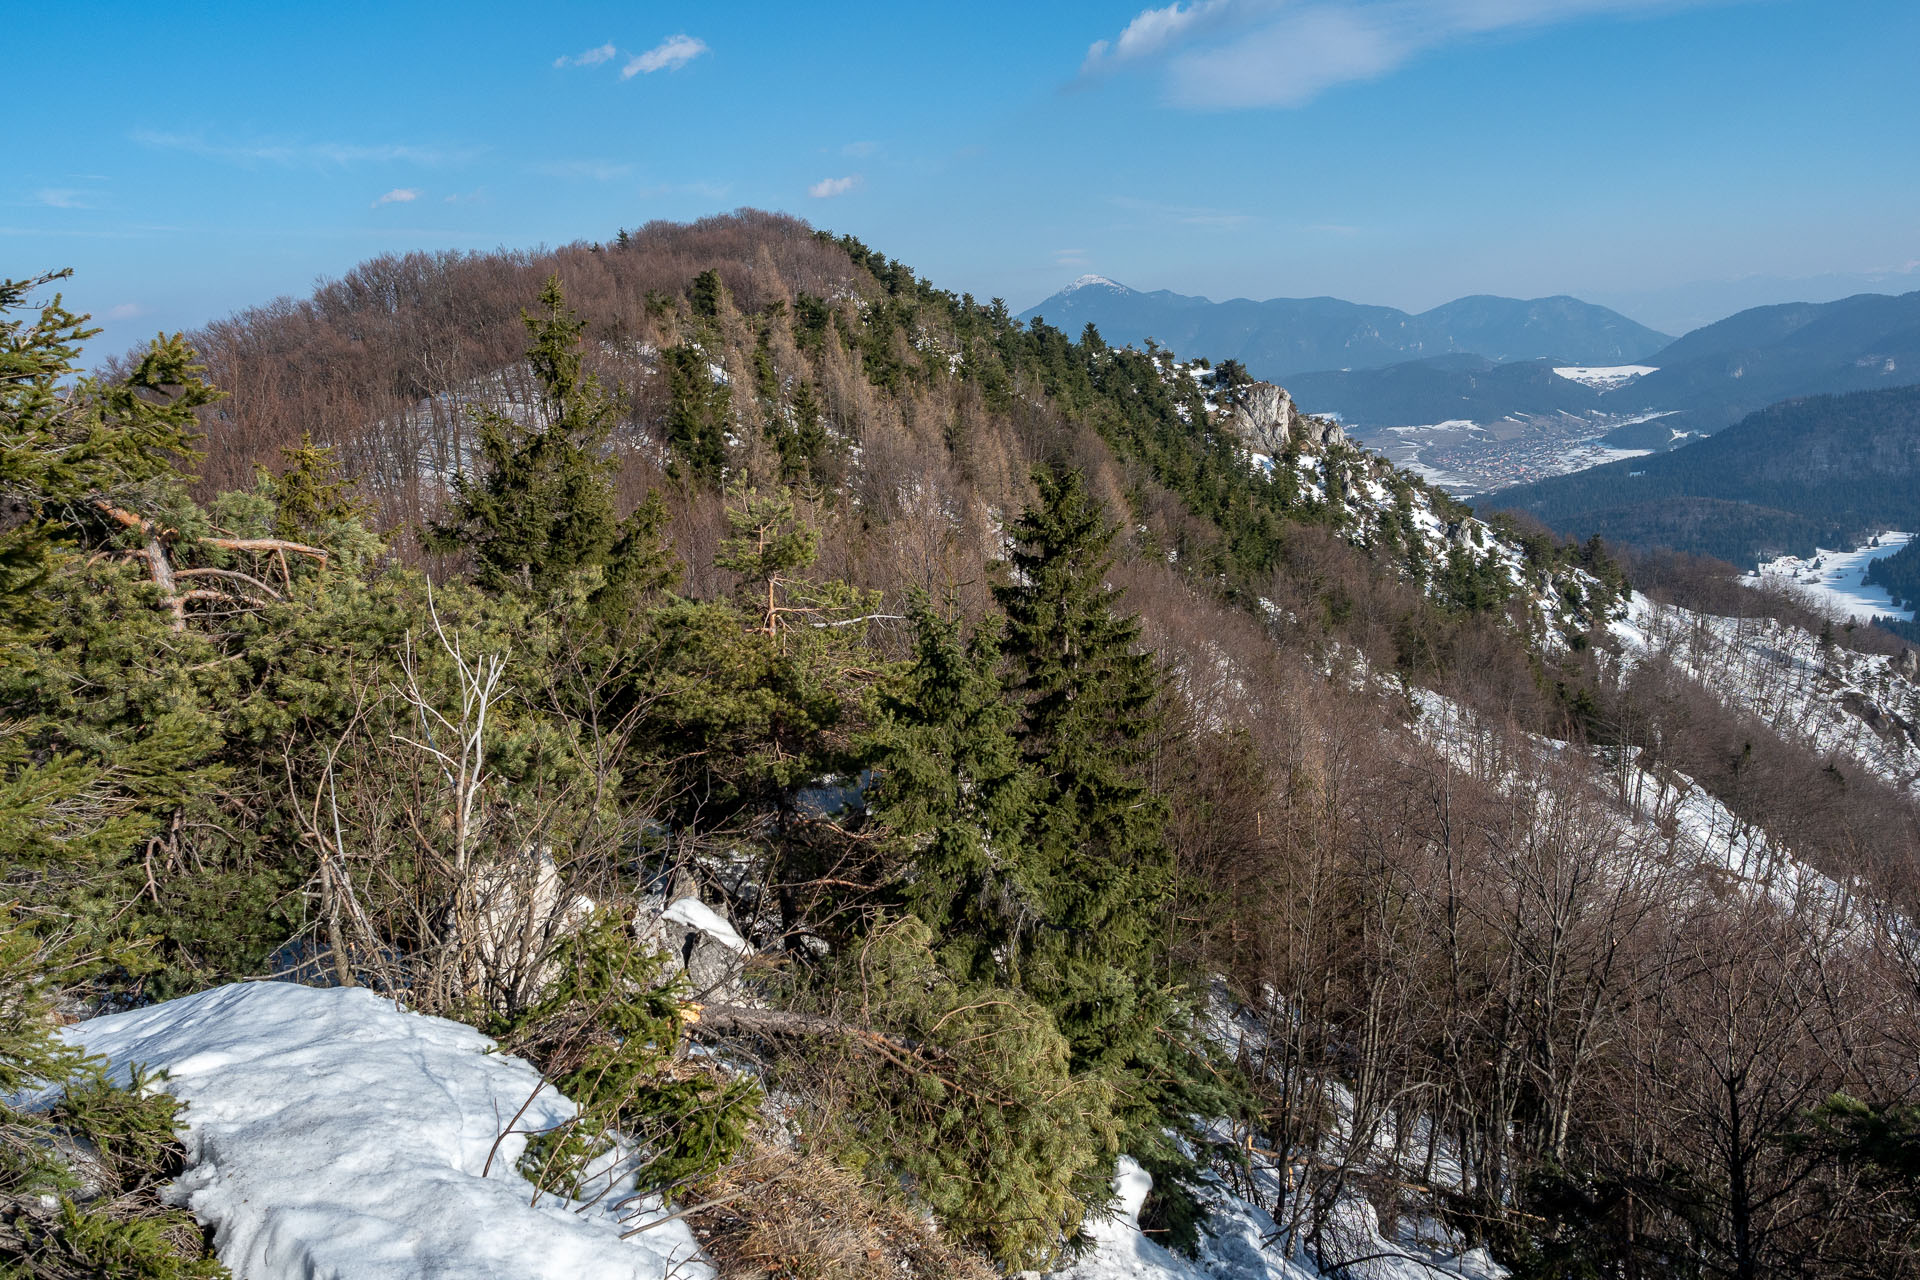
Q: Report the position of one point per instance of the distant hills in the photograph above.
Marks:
(1818, 471)
(1722, 372)
(1706, 380)
(1442, 389)
(1281, 337)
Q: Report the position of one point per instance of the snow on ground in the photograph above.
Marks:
(1241, 1242)
(331, 1135)
(1834, 579)
(1859, 707)
(1605, 377)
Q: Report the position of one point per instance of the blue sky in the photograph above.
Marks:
(1678, 159)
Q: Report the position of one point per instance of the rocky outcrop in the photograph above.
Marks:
(1265, 417)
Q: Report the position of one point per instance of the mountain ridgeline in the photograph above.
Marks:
(1823, 471)
(1281, 337)
(1482, 359)
(909, 772)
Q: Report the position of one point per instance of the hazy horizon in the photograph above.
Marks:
(1676, 160)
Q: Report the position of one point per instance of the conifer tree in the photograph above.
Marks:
(698, 411)
(951, 782)
(310, 493)
(543, 508)
(1100, 867)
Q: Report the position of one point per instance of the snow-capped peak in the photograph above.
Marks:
(1089, 281)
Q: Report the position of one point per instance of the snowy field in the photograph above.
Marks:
(1832, 579)
(1605, 377)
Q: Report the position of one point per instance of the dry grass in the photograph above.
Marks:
(801, 1217)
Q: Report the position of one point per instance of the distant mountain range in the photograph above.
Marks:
(1704, 381)
(1820, 471)
(1281, 337)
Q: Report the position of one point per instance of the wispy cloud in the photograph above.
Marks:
(1226, 54)
(670, 54)
(588, 57)
(859, 150)
(64, 198)
(319, 155)
(827, 188)
(1070, 257)
(597, 170)
(126, 311)
(399, 195)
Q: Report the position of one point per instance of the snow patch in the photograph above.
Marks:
(698, 916)
(331, 1135)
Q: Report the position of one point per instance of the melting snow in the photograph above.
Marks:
(330, 1135)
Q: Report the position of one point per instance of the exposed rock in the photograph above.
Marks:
(1265, 416)
(710, 951)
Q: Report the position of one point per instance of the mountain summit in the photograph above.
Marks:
(1284, 336)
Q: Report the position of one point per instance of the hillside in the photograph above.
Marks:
(908, 793)
(1822, 471)
(1281, 337)
(1719, 374)
(1444, 388)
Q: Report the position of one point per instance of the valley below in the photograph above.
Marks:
(1468, 458)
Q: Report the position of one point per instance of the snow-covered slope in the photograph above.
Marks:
(1864, 708)
(1834, 582)
(331, 1136)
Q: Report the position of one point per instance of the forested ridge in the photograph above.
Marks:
(1823, 471)
(1024, 721)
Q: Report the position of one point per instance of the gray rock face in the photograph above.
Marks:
(1267, 420)
(1264, 417)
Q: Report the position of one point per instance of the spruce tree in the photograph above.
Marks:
(309, 492)
(951, 783)
(698, 412)
(1099, 865)
(543, 508)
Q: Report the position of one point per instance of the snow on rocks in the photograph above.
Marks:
(330, 1134)
(703, 919)
(1241, 1241)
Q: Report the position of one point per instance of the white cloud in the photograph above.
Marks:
(63, 198)
(670, 54)
(126, 311)
(859, 150)
(399, 195)
(307, 154)
(1226, 54)
(827, 188)
(588, 57)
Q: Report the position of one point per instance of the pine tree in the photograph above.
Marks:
(951, 783)
(1100, 867)
(85, 461)
(543, 508)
